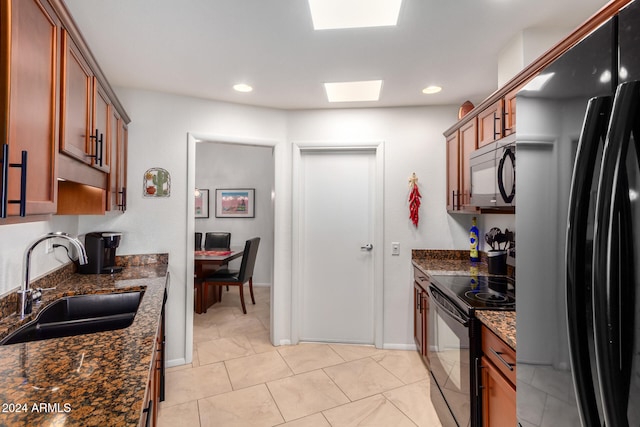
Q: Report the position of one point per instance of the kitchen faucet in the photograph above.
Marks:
(25, 292)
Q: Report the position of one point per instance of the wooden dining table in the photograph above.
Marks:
(205, 263)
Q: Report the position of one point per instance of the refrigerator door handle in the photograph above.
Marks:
(591, 140)
(613, 258)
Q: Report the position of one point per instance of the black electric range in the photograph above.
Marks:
(454, 341)
(478, 292)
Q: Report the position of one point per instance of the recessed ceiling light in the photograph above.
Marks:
(353, 91)
(333, 14)
(429, 90)
(242, 87)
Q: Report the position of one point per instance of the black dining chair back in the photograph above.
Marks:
(198, 245)
(248, 259)
(226, 277)
(217, 240)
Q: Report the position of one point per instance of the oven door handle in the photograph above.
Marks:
(442, 301)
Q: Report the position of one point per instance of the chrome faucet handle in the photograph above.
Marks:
(37, 294)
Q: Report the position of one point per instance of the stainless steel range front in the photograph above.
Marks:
(454, 346)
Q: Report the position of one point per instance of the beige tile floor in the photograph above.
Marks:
(239, 379)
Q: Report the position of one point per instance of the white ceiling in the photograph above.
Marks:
(202, 48)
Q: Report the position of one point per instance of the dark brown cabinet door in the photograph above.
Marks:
(490, 124)
(100, 137)
(76, 90)
(468, 144)
(30, 47)
(418, 324)
(117, 156)
(510, 113)
(498, 398)
(453, 171)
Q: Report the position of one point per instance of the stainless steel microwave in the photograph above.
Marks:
(493, 174)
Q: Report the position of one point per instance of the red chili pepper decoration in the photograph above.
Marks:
(414, 199)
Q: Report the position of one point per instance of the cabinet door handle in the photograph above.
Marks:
(123, 199)
(499, 356)
(23, 182)
(98, 147)
(100, 152)
(5, 174)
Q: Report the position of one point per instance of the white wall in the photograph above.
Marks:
(14, 240)
(413, 143)
(223, 165)
(158, 138)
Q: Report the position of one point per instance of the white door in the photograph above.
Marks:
(336, 191)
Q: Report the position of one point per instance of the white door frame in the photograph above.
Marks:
(192, 139)
(378, 231)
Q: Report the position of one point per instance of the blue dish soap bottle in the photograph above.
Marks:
(473, 241)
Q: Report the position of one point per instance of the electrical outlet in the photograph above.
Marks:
(48, 246)
(395, 248)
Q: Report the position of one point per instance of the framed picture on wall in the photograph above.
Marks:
(235, 203)
(202, 203)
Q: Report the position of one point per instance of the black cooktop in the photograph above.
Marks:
(478, 292)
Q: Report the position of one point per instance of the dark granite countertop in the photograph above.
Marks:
(86, 380)
(502, 323)
(443, 262)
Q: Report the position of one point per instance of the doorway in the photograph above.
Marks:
(254, 167)
(338, 244)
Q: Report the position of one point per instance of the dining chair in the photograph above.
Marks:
(226, 277)
(217, 240)
(198, 246)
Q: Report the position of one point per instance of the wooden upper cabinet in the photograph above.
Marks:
(468, 144)
(85, 114)
(117, 158)
(29, 52)
(510, 112)
(490, 124)
(100, 138)
(453, 171)
(77, 98)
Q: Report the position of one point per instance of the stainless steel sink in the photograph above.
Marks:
(78, 315)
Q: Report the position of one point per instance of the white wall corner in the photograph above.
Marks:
(525, 47)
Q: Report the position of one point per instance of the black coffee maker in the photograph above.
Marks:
(101, 251)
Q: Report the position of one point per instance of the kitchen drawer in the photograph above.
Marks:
(421, 278)
(499, 353)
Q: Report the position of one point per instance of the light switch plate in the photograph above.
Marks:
(395, 248)
(48, 246)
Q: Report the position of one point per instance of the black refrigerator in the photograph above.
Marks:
(578, 230)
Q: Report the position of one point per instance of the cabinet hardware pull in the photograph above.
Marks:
(123, 199)
(478, 376)
(98, 147)
(23, 182)
(5, 173)
(100, 152)
(496, 132)
(148, 410)
(499, 356)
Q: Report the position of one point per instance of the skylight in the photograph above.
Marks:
(353, 91)
(334, 14)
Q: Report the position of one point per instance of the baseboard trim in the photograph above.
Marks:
(408, 347)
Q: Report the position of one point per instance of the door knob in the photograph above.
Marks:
(367, 247)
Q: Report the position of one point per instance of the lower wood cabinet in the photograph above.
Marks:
(498, 381)
(421, 313)
(155, 388)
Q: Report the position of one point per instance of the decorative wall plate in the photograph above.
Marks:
(156, 182)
